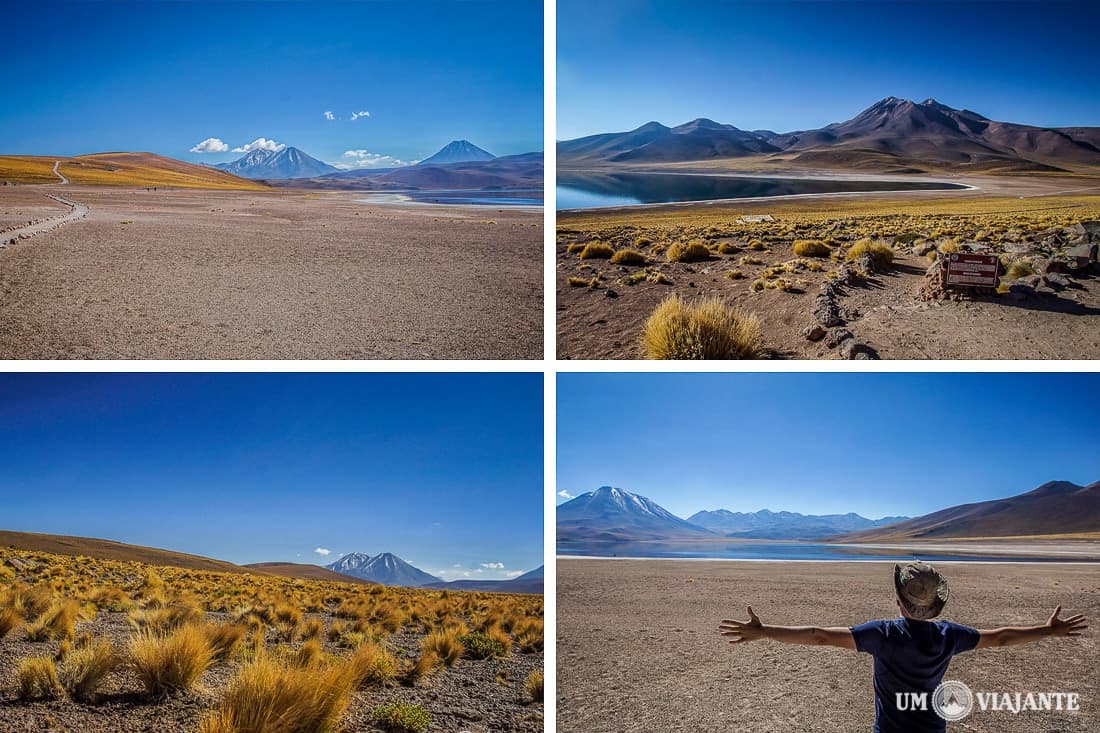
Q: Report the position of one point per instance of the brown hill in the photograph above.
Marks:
(303, 571)
(1055, 508)
(111, 550)
(121, 169)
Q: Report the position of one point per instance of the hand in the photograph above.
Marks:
(742, 631)
(1072, 626)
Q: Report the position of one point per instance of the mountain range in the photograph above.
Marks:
(614, 515)
(893, 134)
(385, 568)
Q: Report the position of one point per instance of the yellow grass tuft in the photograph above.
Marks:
(56, 622)
(84, 669)
(37, 677)
(173, 662)
(445, 644)
(533, 686)
(372, 665)
(224, 639)
(880, 252)
(811, 248)
(708, 329)
(9, 621)
(596, 251)
(628, 257)
(688, 252)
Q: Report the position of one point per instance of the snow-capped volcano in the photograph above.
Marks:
(614, 514)
(386, 568)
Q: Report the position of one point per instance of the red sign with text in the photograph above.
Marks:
(973, 270)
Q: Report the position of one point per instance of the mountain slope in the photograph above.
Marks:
(458, 151)
(509, 172)
(287, 163)
(121, 169)
(610, 514)
(1056, 507)
(111, 550)
(766, 524)
(303, 571)
(890, 134)
(529, 582)
(386, 568)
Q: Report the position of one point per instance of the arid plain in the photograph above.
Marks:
(640, 649)
(192, 273)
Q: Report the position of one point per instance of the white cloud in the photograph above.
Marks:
(514, 573)
(367, 159)
(565, 494)
(210, 145)
(493, 565)
(357, 115)
(329, 116)
(322, 551)
(260, 143)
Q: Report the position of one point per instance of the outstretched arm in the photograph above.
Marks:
(741, 631)
(1009, 635)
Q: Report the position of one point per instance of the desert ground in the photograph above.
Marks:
(342, 650)
(639, 650)
(218, 274)
(603, 304)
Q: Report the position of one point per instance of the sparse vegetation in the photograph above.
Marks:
(173, 662)
(628, 257)
(402, 716)
(694, 251)
(37, 677)
(881, 254)
(446, 644)
(533, 686)
(596, 251)
(708, 329)
(481, 646)
(811, 248)
(83, 669)
(1018, 269)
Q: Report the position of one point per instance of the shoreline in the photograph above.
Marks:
(831, 562)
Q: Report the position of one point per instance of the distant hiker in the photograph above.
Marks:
(910, 653)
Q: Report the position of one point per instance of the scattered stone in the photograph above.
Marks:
(852, 349)
(838, 336)
(816, 332)
(826, 312)
(1056, 281)
(921, 249)
(1020, 291)
(1054, 265)
(20, 565)
(609, 293)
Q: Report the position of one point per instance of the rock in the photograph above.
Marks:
(838, 336)
(1083, 253)
(609, 293)
(1092, 230)
(1056, 281)
(1054, 265)
(1031, 280)
(1018, 248)
(1044, 290)
(1020, 291)
(852, 349)
(816, 332)
(921, 249)
(826, 312)
(20, 565)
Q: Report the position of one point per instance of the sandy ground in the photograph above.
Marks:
(885, 312)
(243, 275)
(638, 648)
(475, 696)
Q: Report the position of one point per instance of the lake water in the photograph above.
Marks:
(772, 551)
(530, 197)
(586, 190)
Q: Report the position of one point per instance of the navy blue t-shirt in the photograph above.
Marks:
(910, 656)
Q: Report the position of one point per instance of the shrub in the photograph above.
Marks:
(750, 260)
(951, 245)
(499, 635)
(533, 686)
(757, 245)
(628, 257)
(708, 329)
(309, 654)
(734, 274)
(529, 635)
(811, 248)
(224, 639)
(481, 646)
(271, 696)
(596, 251)
(165, 618)
(574, 247)
(428, 663)
(38, 679)
(56, 622)
(84, 669)
(402, 716)
(1018, 269)
(173, 662)
(372, 665)
(9, 621)
(728, 248)
(313, 628)
(881, 254)
(447, 645)
(688, 252)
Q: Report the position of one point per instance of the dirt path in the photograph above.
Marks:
(77, 211)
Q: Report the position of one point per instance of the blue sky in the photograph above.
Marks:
(790, 66)
(876, 444)
(165, 76)
(442, 470)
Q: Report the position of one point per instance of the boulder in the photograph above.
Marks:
(920, 249)
(838, 336)
(852, 349)
(1055, 280)
(816, 332)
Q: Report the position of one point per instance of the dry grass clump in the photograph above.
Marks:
(274, 696)
(533, 686)
(309, 654)
(574, 247)
(811, 248)
(596, 251)
(56, 622)
(728, 248)
(750, 260)
(445, 644)
(372, 665)
(9, 621)
(628, 257)
(313, 628)
(402, 716)
(164, 618)
(1018, 269)
(529, 634)
(688, 252)
(83, 669)
(37, 678)
(173, 662)
(881, 254)
(427, 664)
(707, 329)
(224, 639)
